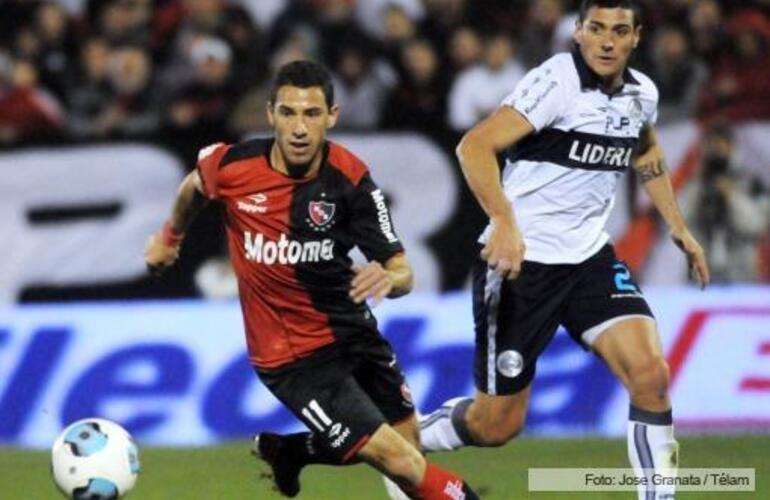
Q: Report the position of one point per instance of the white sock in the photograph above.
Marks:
(394, 492)
(652, 449)
(444, 429)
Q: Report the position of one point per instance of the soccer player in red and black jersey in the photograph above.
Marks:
(295, 205)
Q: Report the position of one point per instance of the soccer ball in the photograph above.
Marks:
(94, 459)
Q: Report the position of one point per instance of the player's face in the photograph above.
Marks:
(607, 38)
(300, 119)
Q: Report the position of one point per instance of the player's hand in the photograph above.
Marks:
(696, 257)
(370, 281)
(504, 250)
(158, 256)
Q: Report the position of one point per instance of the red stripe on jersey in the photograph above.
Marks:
(281, 322)
(347, 163)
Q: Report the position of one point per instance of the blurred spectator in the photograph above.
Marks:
(477, 91)
(200, 109)
(398, 29)
(441, 19)
(536, 40)
(361, 85)
(123, 22)
(564, 32)
(202, 19)
(264, 11)
(338, 29)
(738, 88)
(27, 112)
(725, 210)
(678, 74)
(371, 13)
(465, 49)
(134, 107)
(419, 103)
(57, 47)
(90, 94)
(16, 14)
(706, 28)
(250, 116)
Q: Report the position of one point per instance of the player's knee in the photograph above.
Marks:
(497, 428)
(649, 377)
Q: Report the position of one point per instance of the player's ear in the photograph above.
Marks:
(269, 111)
(577, 35)
(637, 35)
(334, 113)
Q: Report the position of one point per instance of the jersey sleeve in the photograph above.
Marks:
(372, 225)
(209, 160)
(539, 97)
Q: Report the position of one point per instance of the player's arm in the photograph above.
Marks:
(477, 153)
(651, 168)
(162, 249)
(392, 279)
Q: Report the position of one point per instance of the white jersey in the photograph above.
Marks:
(561, 179)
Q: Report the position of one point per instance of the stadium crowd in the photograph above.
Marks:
(186, 73)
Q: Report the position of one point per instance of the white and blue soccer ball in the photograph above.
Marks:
(94, 459)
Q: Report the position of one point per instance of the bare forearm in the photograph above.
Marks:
(189, 201)
(481, 171)
(657, 183)
(400, 274)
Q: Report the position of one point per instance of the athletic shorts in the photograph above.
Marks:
(515, 320)
(344, 391)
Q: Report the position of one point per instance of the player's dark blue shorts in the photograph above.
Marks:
(515, 320)
(344, 391)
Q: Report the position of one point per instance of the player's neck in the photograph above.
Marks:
(278, 163)
(612, 83)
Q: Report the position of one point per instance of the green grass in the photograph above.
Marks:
(228, 472)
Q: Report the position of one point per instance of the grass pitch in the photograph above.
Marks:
(228, 472)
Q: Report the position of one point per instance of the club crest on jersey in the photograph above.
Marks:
(321, 213)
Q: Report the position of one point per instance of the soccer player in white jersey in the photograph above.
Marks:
(571, 128)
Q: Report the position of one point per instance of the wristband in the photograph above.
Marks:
(169, 237)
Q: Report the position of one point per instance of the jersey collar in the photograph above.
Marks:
(590, 80)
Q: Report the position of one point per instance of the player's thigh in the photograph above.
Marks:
(630, 346)
(607, 313)
(380, 375)
(514, 321)
(331, 404)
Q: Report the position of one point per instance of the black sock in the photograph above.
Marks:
(306, 448)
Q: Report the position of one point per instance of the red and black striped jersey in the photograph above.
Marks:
(289, 241)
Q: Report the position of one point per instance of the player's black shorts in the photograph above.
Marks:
(344, 391)
(515, 320)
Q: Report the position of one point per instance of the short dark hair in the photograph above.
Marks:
(586, 5)
(303, 74)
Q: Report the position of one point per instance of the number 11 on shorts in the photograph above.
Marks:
(314, 408)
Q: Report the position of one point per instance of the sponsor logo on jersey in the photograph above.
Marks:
(254, 204)
(596, 154)
(386, 226)
(321, 212)
(286, 251)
